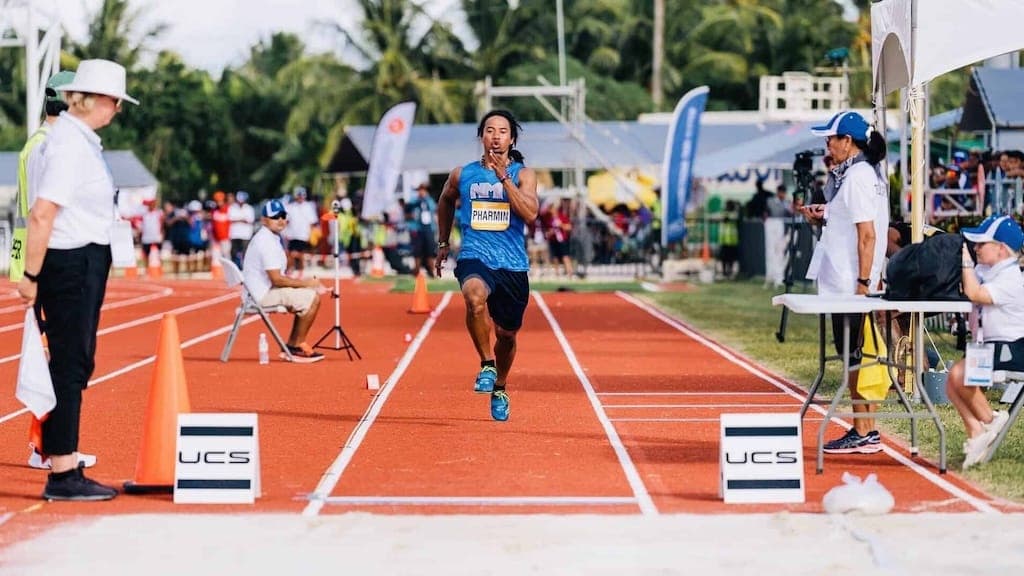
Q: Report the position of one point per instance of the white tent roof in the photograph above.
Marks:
(914, 41)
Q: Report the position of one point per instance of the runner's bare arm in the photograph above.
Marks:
(445, 214)
(523, 198)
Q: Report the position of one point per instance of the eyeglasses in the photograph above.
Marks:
(279, 217)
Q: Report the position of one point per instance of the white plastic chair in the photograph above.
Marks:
(233, 276)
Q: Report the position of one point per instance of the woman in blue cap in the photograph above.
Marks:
(849, 256)
(996, 286)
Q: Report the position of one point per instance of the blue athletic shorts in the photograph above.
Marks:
(509, 291)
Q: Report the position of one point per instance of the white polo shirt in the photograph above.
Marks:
(242, 217)
(301, 219)
(74, 176)
(1003, 320)
(264, 253)
(862, 197)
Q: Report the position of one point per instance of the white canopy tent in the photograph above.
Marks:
(913, 42)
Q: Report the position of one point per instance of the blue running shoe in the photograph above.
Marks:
(485, 380)
(499, 405)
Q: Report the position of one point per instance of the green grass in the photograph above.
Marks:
(740, 315)
(407, 283)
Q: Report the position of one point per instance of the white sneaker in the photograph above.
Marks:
(975, 448)
(35, 460)
(999, 420)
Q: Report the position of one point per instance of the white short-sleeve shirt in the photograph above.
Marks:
(1003, 320)
(242, 217)
(862, 197)
(74, 176)
(264, 253)
(301, 218)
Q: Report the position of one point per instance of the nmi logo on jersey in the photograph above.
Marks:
(487, 191)
(761, 458)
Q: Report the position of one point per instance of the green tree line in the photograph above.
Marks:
(276, 120)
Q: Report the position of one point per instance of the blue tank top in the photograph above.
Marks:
(491, 231)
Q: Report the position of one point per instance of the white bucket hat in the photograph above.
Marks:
(100, 77)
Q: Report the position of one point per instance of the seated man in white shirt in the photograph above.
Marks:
(996, 286)
(263, 268)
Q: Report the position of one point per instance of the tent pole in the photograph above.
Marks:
(917, 96)
(917, 161)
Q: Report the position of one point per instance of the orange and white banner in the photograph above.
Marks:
(389, 142)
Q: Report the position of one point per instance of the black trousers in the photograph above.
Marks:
(72, 284)
(856, 338)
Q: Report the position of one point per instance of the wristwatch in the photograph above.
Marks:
(32, 277)
(866, 282)
(442, 244)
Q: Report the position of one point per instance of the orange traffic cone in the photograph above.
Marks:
(216, 268)
(155, 266)
(168, 397)
(377, 260)
(705, 252)
(420, 303)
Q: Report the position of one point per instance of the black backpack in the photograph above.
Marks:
(929, 270)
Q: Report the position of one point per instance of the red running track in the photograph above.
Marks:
(614, 410)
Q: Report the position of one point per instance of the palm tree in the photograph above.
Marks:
(404, 65)
(110, 31)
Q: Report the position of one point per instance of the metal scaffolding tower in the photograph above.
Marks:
(35, 26)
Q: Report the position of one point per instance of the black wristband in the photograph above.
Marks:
(32, 277)
(866, 282)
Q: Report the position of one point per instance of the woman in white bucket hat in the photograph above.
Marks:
(68, 258)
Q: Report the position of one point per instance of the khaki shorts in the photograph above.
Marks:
(297, 300)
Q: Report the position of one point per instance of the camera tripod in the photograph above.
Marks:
(341, 340)
(803, 165)
(792, 248)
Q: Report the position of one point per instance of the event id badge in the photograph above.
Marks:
(978, 364)
(122, 248)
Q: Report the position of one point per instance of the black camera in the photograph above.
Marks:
(336, 206)
(803, 170)
(803, 161)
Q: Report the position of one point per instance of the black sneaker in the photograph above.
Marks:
(304, 354)
(74, 486)
(853, 443)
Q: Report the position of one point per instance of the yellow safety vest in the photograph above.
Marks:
(17, 267)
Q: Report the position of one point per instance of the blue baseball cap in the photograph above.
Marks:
(997, 228)
(274, 209)
(845, 123)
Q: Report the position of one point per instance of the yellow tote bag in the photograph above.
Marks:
(873, 381)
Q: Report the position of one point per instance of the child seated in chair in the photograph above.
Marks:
(996, 286)
(264, 271)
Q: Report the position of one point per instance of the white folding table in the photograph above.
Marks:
(823, 305)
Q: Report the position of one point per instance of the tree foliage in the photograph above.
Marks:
(275, 121)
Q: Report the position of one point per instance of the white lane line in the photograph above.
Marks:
(481, 501)
(743, 394)
(163, 293)
(928, 475)
(147, 319)
(643, 498)
(703, 405)
(141, 363)
(687, 420)
(330, 478)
